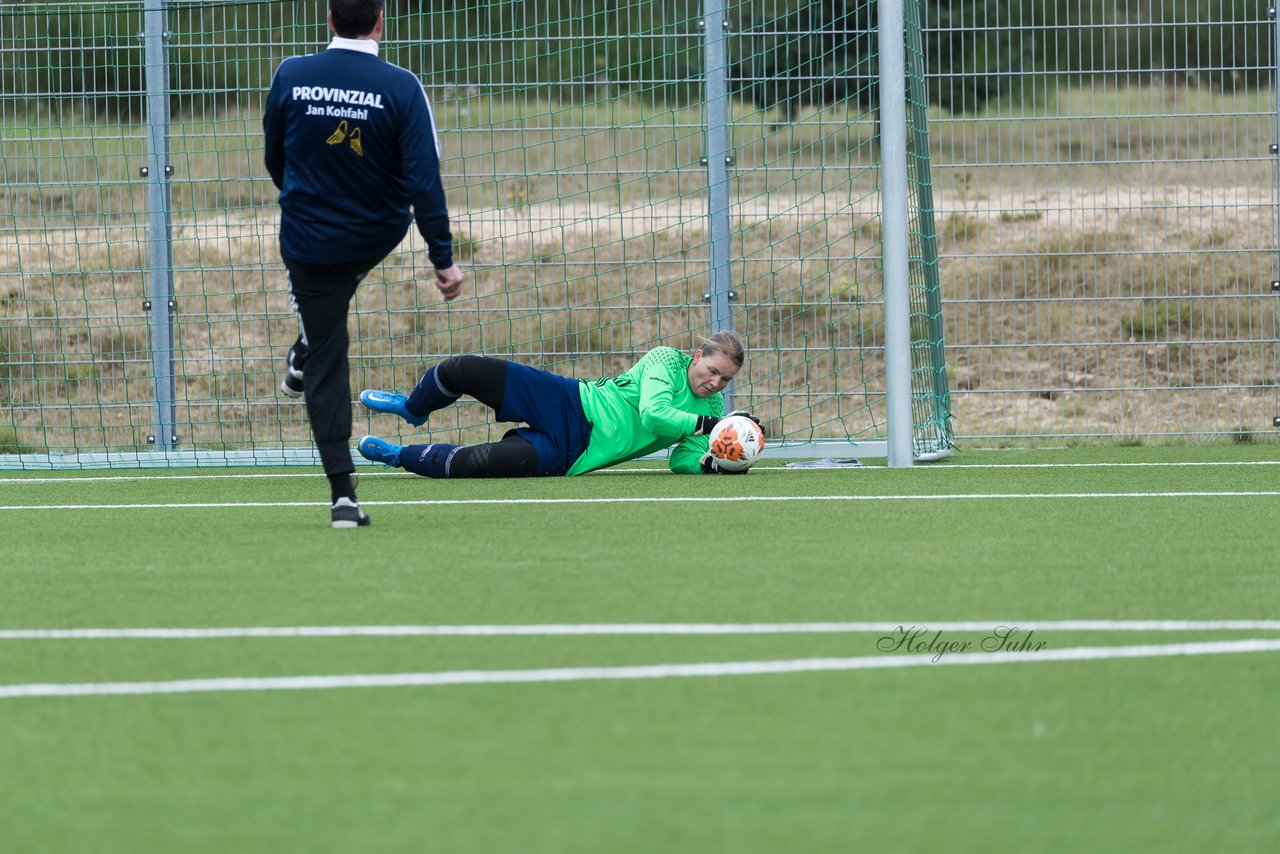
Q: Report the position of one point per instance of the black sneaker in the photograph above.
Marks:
(291, 383)
(347, 514)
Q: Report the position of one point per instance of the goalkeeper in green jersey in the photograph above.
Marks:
(573, 426)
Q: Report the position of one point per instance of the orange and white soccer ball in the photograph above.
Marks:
(736, 443)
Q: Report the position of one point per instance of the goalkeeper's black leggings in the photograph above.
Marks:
(513, 456)
(485, 379)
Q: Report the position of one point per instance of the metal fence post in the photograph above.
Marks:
(1275, 156)
(895, 244)
(719, 158)
(160, 304)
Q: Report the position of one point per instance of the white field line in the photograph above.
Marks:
(446, 502)
(958, 466)
(1185, 464)
(154, 478)
(636, 629)
(653, 671)
(637, 470)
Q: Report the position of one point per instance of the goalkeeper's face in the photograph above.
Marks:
(709, 374)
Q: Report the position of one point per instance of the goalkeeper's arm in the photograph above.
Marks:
(707, 465)
(686, 457)
(693, 456)
(707, 423)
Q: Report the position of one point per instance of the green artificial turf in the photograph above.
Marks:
(1168, 753)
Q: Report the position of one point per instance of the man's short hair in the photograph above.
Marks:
(355, 18)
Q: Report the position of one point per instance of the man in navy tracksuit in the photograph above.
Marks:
(351, 144)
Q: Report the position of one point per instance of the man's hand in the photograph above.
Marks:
(709, 466)
(449, 281)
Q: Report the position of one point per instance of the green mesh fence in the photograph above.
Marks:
(575, 143)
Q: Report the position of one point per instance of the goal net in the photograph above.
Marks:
(619, 176)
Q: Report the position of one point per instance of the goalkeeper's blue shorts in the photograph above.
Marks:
(552, 407)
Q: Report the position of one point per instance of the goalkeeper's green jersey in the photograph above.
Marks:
(648, 408)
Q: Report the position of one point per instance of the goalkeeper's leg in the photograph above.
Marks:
(514, 456)
(558, 431)
(482, 377)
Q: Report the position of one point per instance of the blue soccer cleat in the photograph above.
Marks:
(380, 451)
(391, 402)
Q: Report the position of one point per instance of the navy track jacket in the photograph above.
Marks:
(351, 144)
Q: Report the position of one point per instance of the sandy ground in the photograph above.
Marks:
(72, 298)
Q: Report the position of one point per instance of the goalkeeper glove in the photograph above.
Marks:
(709, 466)
(707, 423)
(745, 414)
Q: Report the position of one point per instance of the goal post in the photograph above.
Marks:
(626, 176)
(894, 253)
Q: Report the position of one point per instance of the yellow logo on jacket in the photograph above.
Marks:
(342, 134)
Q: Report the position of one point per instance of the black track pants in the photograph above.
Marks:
(321, 295)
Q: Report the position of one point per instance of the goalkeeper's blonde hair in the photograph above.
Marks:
(727, 342)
